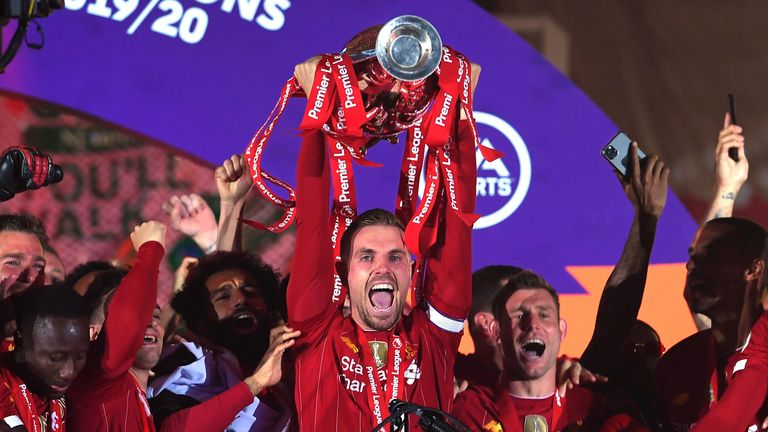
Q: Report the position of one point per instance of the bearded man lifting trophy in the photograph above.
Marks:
(388, 79)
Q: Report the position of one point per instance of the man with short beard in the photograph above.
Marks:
(22, 263)
(348, 369)
(726, 278)
(725, 270)
(109, 395)
(527, 326)
(22, 258)
(51, 350)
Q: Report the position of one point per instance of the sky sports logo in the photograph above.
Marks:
(502, 184)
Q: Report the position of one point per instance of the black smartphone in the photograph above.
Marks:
(617, 152)
(733, 153)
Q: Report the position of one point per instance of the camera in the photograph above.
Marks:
(25, 12)
(40, 8)
(610, 152)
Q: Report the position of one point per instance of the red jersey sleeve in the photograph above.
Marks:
(738, 406)
(215, 414)
(311, 283)
(448, 289)
(748, 389)
(755, 352)
(9, 415)
(130, 310)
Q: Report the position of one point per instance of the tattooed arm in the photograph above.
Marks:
(730, 175)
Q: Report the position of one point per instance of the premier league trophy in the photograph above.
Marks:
(395, 63)
(388, 79)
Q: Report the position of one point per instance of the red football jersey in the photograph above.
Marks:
(743, 406)
(333, 379)
(683, 381)
(755, 352)
(105, 396)
(483, 409)
(20, 406)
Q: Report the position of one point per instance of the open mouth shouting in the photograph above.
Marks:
(533, 349)
(150, 337)
(382, 296)
(243, 319)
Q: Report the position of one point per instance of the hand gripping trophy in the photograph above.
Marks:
(388, 79)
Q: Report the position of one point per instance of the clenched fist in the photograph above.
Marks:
(23, 169)
(148, 231)
(233, 179)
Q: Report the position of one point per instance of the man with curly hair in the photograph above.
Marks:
(230, 300)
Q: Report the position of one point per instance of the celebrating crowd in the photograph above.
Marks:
(238, 349)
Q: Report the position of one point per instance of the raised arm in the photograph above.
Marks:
(132, 305)
(730, 175)
(620, 302)
(448, 287)
(191, 216)
(311, 284)
(233, 184)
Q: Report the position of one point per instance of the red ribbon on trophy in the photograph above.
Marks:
(371, 91)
